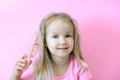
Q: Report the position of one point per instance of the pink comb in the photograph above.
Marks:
(33, 47)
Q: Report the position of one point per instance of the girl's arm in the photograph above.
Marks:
(24, 62)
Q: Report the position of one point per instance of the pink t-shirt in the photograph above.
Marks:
(74, 72)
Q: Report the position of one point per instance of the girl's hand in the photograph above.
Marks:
(22, 64)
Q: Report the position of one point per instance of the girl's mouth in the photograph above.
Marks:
(62, 48)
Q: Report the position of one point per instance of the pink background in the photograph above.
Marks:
(99, 25)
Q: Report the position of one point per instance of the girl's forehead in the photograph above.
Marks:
(58, 26)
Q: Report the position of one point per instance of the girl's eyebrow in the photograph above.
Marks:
(54, 32)
(66, 32)
(70, 32)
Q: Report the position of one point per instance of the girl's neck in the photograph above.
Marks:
(60, 65)
(58, 61)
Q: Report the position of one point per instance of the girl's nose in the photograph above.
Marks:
(62, 40)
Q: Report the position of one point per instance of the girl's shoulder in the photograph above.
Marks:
(80, 65)
(82, 69)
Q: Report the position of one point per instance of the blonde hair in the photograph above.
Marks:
(42, 66)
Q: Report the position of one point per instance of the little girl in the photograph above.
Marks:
(59, 57)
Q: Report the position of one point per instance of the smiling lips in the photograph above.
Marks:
(62, 48)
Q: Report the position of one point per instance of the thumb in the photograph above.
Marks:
(29, 60)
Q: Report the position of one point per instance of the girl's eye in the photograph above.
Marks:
(55, 36)
(68, 36)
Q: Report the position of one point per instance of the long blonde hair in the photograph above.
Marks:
(42, 65)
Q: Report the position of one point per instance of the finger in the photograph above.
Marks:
(23, 56)
(28, 60)
(19, 68)
(21, 64)
(33, 46)
(23, 60)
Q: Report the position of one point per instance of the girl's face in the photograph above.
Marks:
(59, 38)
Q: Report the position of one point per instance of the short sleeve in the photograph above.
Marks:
(85, 75)
(28, 75)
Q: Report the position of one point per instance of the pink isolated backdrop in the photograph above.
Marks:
(98, 21)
